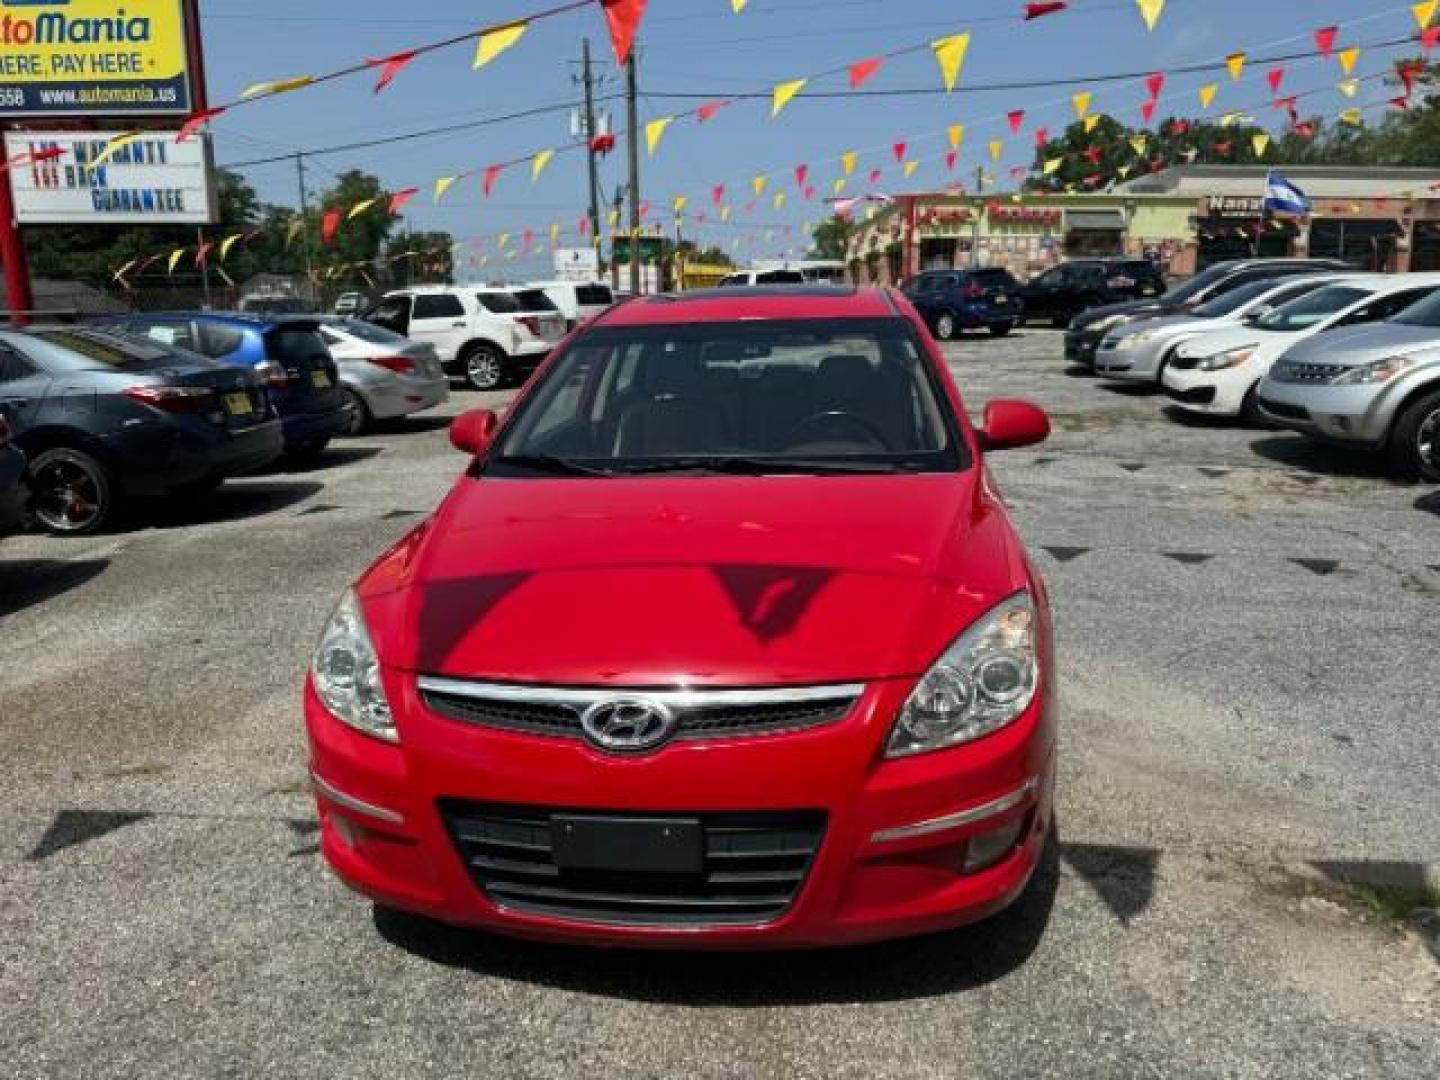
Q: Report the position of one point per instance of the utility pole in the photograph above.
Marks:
(204, 268)
(632, 123)
(590, 132)
(305, 226)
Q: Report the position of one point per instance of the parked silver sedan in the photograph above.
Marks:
(1375, 387)
(1139, 351)
(384, 374)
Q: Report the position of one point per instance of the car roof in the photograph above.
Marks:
(256, 320)
(756, 302)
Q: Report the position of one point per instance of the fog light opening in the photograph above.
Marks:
(986, 849)
(347, 833)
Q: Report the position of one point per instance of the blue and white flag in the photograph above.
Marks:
(1283, 197)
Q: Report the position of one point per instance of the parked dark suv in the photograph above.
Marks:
(1087, 330)
(1064, 291)
(954, 300)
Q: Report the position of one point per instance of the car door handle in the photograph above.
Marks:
(458, 325)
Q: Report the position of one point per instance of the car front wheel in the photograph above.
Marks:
(945, 327)
(484, 367)
(1415, 442)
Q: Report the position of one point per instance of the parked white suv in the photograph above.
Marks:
(479, 332)
(578, 301)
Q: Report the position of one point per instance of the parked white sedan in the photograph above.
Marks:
(384, 375)
(1218, 373)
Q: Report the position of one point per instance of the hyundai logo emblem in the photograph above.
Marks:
(626, 725)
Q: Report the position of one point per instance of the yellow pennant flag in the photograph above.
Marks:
(554, 232)
(175, 257)
(997, 147)
(502, 240)
(1138, 144)
(956, 134)
(1124, 171)
(1150, 11)
(1351, 116)
(1091, 123)
(1347, 58)
(1424, 13)
(738, 6)
(725, 213)
(1207, 94)
(296, 226)
(442, 185)
(119, 275)
(614, 218)
(838, 186)
(110, 147)
(1261, 143)
(359, 208)
(779, 201)
(1235, 62)
(1081, 101)
(909, 168)
(1052, 165)
(1230, 119)
(781, 95)
(538, 163)
(950, 55)
(679, 204)
(759, 184)
(847, 162)
(276, 86)
(654, 130)
(227, 244)
(1349, 87)
(495, 42)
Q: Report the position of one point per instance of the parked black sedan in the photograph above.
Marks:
(1064, 291)
(101, 416)
(13, 489)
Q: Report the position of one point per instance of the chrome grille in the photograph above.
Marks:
(1292, 371)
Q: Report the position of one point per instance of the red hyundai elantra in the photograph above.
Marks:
(724, 639)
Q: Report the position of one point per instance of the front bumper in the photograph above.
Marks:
(1139, 363)
(888, 864)
(1214, 393)
(1081, 346)
(1360, 415)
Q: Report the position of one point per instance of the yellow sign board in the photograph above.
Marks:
(95, 58)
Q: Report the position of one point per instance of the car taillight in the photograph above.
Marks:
(401, 365)
(273, 375)
(974, 290)
(173, 399)
(531, 323)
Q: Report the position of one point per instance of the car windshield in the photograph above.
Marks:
(80, 348)
(1309, 310)
(1421, 313)
(831, 396)
(1234, 300)
(369, 332)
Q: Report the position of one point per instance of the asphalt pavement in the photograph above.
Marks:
(1249, 688)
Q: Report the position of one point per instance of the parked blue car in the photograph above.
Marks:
(287, 351)
(986, 298)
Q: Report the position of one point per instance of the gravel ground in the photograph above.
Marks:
(1249, 716)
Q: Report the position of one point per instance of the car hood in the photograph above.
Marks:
(1233, 336)
(1351, 345)
(1135, 309)
(699, 581)
(1172, 325)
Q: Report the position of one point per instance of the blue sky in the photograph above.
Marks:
(699, 46)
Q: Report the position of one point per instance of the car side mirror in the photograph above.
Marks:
(1010, 423)
(471, 431)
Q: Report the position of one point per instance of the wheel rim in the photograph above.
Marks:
(483, 369)
(945, 327)
(357, 412)
(67, 495)
(1427, 441)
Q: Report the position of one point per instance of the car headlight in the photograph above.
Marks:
(346, 672)
(981, 683)
(1135, 340)
(1109, 322)
(1228, 359)
(1378, 372)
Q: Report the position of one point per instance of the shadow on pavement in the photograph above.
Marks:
(27, 582)
(233, 501)
(929, 966)
(1135, 390)
(1078, 371)
(1201, 421)
(410, 425)
(1308, 455)
(334, 457)
(1429, 503)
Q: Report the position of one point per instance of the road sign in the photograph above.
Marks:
(577, 264)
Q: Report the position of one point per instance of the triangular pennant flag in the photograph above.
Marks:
(202, 253)
(847, 162)
(1325, 40)
(1347, 58)
(779, 201)
(400, 198)
(1155, 83)
(955, 133)
(717, 194)
(951, 158)
(227, 244)
(1349, 87)
(862, 70)
(110, 147)
(1150, 11)
(783, 92)
(1351, 116)
(390, 67)
(487, 181)
(623, 18)
(654, 130)
(759, 184)
(709, 109)
(195, 121)
(276, 86)
(1261, 143)
(725, 213)
(1016, 119)
(1275, 76)
(1081, 101)
(1207, 94)
(1138, 144)
(801, 172)
(898, 149)
(874, 176)
(838, 186)
(679, 204)
(503, 239)
(494, 42)
(1091, 123)
(1147, 110)
(1043, 8)
(538, 163)
(329, 224)
(738, 6)
(909, 168)
(297, 225)
(950, 55)
(360, 208)
(1053, 164)
(997, 147)
(1424, 13)
(1235, 64)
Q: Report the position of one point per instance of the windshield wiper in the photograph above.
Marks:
(759, 466)
(549, 463)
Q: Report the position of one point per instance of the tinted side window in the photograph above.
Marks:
(535, 300)
(1386, 306)
(175, 334)
(780, 277)
(218, 341)
(498, 302)
(13, 366)
(593, 294)
(393, 313)
(438, 306)
(299, 345)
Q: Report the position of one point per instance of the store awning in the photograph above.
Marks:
(1095, 220)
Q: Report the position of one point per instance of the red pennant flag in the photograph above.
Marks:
(1305, 130)
(875, 176)
(717, 194)
(203, 252)
(1092, 155)
(1155, 83)
(951, 158)
(709, 109)
(602, 144)
(390, 67)
(400, 198)
(1400, 102)
(1147, 110)
(1408, 70)
(1288, 103)
(1224, 148)
(862, 70)
(1275, 76)
(1042, 136)
(50, 153)
(899, 151)
(1430, 37)
(1179, 127)
(749, 207)
(1157, 165)
(809, 191)
(645, 209)
(623, 18)
(195, 121)
(1017, 118)
(1038, 11)
(328, 224)
(584, 224)
(1092, 180)
(801, 172)
(527, 238)
(1019, 172)
(1325, 40)
(487, 182)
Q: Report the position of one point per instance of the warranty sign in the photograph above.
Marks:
(95, 58)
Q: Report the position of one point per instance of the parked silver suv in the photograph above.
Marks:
(1374, 386)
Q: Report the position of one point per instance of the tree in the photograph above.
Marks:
(832, 237)
(420, 257)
